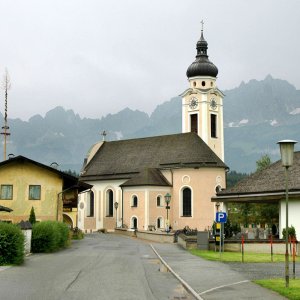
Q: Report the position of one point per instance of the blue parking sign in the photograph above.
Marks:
(221, 217)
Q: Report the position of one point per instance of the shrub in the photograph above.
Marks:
(11, 244)
(49, 236)
(63, 237)
(77, 234)
(291, 232)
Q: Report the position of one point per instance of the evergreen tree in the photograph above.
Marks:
(233, 177)
(32, 218)
(263, 162)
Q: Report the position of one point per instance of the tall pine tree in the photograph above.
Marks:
(32, 218)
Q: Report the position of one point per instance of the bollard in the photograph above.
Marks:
(294, 257)
(242, 248)
(271, 242)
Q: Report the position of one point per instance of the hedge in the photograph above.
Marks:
(49, 236)
(11, 244)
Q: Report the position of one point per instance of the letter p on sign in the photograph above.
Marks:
(221, 217)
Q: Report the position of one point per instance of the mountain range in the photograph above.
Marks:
(257, 114)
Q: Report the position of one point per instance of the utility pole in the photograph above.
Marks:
(6, 87)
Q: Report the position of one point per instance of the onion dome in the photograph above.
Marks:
(202, 66)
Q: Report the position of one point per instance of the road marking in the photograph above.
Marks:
(184, 283)
(222, 286)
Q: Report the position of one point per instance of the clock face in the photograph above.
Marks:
(213, 104)
(193, 103)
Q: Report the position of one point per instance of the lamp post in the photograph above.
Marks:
(116, 205)
(167, 200)
(287, 153)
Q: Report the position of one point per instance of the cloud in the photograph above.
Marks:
(98, 57)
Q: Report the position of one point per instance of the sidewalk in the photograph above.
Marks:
(209, 279)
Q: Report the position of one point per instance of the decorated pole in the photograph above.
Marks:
(5, 133)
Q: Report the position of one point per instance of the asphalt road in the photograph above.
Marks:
(102, 266)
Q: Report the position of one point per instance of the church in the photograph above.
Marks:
(163, 182)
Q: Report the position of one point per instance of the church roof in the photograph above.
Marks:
(148, 176)
(124, 158)
(265, 183)
(202, 66)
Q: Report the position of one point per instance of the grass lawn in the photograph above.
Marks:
(278, 285)
(237, 256)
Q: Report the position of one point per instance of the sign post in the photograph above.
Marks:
(221, 218)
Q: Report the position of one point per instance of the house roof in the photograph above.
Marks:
(125, 158)
(268, 183)
(151, 177)
(69, 180)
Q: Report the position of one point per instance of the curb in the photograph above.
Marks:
(184, 283)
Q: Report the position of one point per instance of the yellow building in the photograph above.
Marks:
(25, 183)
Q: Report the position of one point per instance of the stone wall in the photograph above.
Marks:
(187, 242)
(160, 237)
(127, 232)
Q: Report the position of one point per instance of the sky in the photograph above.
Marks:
(98, 57)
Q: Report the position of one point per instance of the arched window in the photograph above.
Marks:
(134, 223)
(109, 203)
(186, 202)
(90, 204)
(218, 189)
(213, 125)
(159, 201)
(134, 201)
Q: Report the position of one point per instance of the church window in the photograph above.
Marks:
(159, 201)
(109, 203)
(203, 83)
(194, 123)
(90, 204)
(194, 83)
(211, 83)
(218, 189)
(213, 125)
(134, 201)
(186, 202)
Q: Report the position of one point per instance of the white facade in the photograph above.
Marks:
(100, 218)
(293, 216)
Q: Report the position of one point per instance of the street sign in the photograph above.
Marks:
(221, 217)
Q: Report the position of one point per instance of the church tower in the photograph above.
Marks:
(202, 102)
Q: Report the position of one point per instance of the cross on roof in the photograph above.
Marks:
(104, 134)
(202, 23)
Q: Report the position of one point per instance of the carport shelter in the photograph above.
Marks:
(268, 186)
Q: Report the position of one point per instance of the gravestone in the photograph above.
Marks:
(202, 240)
(26, 228)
